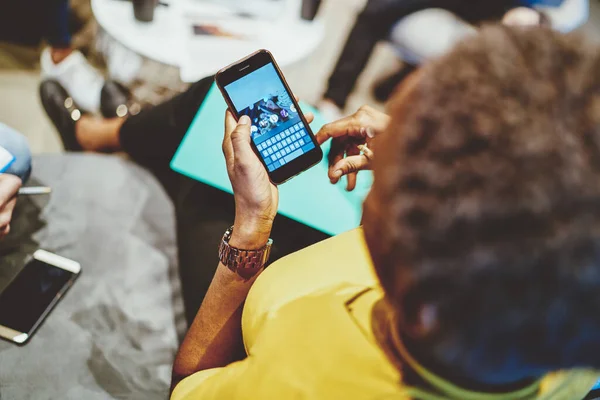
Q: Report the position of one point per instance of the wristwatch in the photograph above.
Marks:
(245, 263)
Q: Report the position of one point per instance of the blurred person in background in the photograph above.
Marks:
(12, 177)
(476, 275)
(424, 29)
(29, 22)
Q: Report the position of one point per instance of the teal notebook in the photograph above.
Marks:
(308, 198)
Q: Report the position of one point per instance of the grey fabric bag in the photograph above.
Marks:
(115, 333)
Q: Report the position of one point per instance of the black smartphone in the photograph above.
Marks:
(281, 137)
(30, 297)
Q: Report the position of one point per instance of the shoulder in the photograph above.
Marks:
(566, 385)
(342, 259)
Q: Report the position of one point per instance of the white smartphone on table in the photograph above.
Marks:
(33, 293)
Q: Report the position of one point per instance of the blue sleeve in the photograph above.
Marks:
(6, 160)
(544, 3)
(16, 144)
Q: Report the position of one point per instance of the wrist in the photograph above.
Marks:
(250, 234)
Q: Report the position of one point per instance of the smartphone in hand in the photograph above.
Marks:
(281, 136)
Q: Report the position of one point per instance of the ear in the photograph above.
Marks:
(426, 324)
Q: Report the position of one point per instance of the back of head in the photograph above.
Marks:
(486, 203)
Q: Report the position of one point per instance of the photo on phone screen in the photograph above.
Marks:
(280, 133)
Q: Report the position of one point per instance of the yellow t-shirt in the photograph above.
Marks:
(307, 332)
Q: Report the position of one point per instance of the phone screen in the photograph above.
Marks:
(30, 294)
(278, 132)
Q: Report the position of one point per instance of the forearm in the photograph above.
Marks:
(215, 337)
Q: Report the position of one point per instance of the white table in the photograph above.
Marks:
(167, 39)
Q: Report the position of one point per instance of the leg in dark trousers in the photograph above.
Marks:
(152, 137)
(373, 24)
(203, 213)
(57, 31)
(28, 22)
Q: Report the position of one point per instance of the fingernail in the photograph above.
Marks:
(244, 120)
(370, 132)
(337, 173)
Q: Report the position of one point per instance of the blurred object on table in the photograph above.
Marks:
(264, 9)
(310, 8)
(143, 10)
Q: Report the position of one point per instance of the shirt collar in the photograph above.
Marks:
(455, 392)
(361, 305)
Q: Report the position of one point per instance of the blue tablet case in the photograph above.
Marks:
(308, 198)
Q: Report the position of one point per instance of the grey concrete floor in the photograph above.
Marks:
(20, 106)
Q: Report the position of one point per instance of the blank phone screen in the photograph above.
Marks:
(24, 301)
(277, 129)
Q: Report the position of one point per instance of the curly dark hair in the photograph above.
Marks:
(488, 191)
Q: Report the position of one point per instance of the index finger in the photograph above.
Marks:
(9, 187)
(348, 126)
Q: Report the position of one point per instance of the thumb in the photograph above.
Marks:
(241, 137)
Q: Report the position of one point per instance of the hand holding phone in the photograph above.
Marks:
(256, 197)
(280, 134)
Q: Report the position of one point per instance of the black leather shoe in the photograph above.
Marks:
(116, 101)
(63, 112)
(384, 88)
